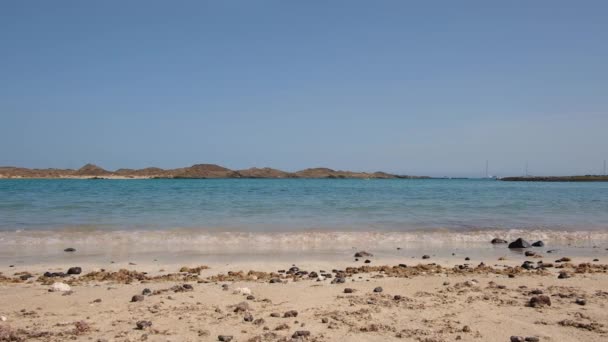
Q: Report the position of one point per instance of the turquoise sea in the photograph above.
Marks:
(300, 204)
(39, 218)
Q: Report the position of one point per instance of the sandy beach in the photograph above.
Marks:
(261, 298)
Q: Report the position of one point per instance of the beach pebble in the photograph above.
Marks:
(259, 321)
(3, 318)
(146, 292)
(517, 339)
(348, 290)
(324, 320)
(581, 301)
(397, 297)
(467, 259)
(540, 301)
(532, 339)
(300, 333)
(141, 325)
(313, 275)
(563, 275)
(338, 280)
(367, 261)
(74, 270)
(248, 317)
(242, 291)
(290, 313)
(225, 338)
(564, 259)
(378, 289)
(54, 274)
(363, 254)
(497, 241)
(241, 307)
(596, 260)
(60, 287)
(528, 265)
(466, 329)
(25, 276)
(70, 249)
(275, 280)
(275, 314)
(529, 254)
(538, 244)
(426, 256)
(282, 326)
(250, 297)
(137, 298)
(519, 243)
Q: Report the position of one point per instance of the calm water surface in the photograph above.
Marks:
(300, 204)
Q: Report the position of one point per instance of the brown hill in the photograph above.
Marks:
(322, 172)
(194, 171)
(204, 171)
(265, 172)
(92, 170)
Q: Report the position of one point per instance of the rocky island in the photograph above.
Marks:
(586, 178)
(198, 171)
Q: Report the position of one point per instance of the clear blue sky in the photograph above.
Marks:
(427, 87)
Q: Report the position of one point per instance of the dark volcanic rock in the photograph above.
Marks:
(141, 325)
(528, 265)
(225, 338)
(532, 339)
(378, 289)
(581, 301)
(290, 313)
(54, 274)
(426, 257)
(301, 333)
(563, 275)
(498, 241)
(367, 261)
(538, 244)
(363, 254)
(529, 254)
(519, 243)
(248, 317)
(137, 298)
(74, 270)
(70, 249)
(338, 280)
(146, 292)
(348, 290)
(275, 280)
(517, 339)
(540, 301)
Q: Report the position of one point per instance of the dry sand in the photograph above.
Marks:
(442, 302)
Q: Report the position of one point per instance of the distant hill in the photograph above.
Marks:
(194, 171)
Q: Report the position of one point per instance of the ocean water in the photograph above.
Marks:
(294, 213)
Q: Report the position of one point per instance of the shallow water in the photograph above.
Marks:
(300, 204)
(261, 216)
